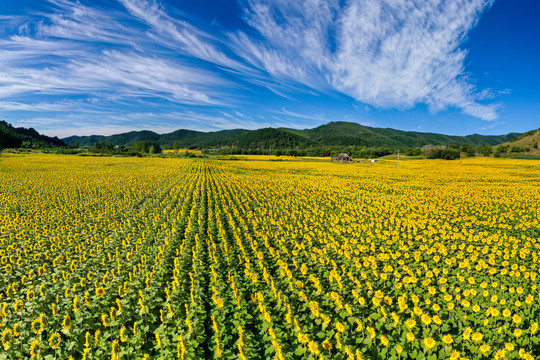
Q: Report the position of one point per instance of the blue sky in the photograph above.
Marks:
(108, 66)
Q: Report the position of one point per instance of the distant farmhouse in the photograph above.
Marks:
(342, 158)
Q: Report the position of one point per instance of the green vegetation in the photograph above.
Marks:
(333, 134)
(323, 141)
(525, 144)
(147, 147)
(485, 150)
(183, 138)
(357, 152)
(524, 135)
(445, 154)
(11, 137)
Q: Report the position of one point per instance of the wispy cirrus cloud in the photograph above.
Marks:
(179, 34)
(388, 54)
(129, 55)
(73, 20)
(79, 50)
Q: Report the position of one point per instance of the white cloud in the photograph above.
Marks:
(80, 50)
(74, 21)
(145, 76)
(177, 34)
(385, 53)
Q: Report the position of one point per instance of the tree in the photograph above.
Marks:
(413, 152)
(103, 147)
(485, 150)
(446, 154)
(468, 149)
(145, 147)
(176, 146)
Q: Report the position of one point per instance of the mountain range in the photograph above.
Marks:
(12, 137)
(331, 134)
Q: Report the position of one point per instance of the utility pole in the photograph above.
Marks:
(398, 159)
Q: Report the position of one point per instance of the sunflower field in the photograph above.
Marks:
(166, 258)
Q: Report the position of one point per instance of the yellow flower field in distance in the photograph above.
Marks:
(164, 258)
(182, 151)
(279, 158)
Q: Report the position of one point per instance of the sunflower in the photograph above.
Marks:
(477, 337)
(122, 334)
(447, 339)
(104, 320)
(313, 348)
(18, 306)
(327, 345)
(66, 323)
(87, 338)
(7, 337)
(35, 349)
(39, 321)
(16, 329)
(303, 338)
(100, 291)
(484, 348)
(54, 340)
(429, 343)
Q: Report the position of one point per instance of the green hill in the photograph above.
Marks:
(270, 138)
(527, 142)
(191, 139)
(331, 134)
(12, 137)
(185, 138)
(347, 134)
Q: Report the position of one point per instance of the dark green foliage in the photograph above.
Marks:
(468, 149)
(485, 150)
(147, 147)
(108, 148)
(502, 149)
(519, 149)
(181, 138)
(84, 141)
(103, 147)
(356, 152)
(413, 152)
(11, 137)
(339, 134)
(195, 139)
(445, 154)
(272, 138)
